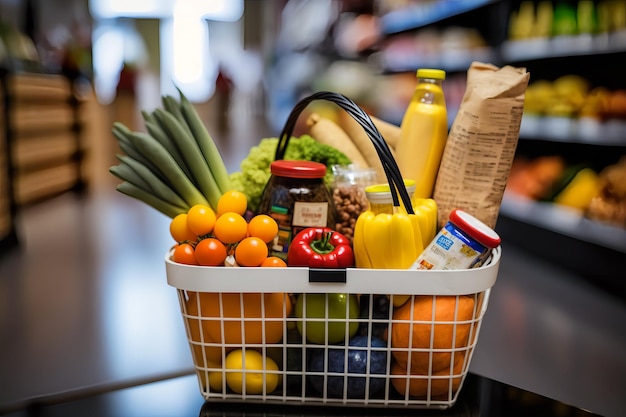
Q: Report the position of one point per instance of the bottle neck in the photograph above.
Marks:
(429, 91)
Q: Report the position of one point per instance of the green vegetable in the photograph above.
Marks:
(173, 166)
(255, 168)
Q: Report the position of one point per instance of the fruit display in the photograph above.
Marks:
(573, 96)
(272, 342)
(609, 203)
(545, 19)
(599, 196)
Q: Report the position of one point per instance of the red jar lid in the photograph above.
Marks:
(298, 169)
(474, 228)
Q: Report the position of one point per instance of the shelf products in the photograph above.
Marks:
(423, 132)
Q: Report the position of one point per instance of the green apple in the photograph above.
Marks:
(341, 310)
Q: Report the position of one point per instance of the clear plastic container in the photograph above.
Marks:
(348, 191)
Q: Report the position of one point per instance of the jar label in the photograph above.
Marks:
(310, 214)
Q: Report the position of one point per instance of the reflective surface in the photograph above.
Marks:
(178, 397)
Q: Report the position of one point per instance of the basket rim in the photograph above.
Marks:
(358, 280)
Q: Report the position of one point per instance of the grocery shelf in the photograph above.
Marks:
(572, 130)
(564, 221)
(418, 15)
(450, 61)
(531, 49)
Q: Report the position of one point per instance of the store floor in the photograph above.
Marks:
(85, 307)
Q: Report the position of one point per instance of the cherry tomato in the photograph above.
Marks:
(230, 227)
(234, 201)
(251, 251)
(273, 262)
(263, 226)
(210, 252)
(184, 254)
(201, 219)
(180, 230)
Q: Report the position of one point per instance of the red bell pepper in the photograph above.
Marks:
(320, 247)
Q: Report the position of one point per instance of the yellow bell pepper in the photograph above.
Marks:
(426, 210)
(393, 241)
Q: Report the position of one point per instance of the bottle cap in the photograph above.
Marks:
(298, 169)
(475, 228)
(381, 193)
(437, 74)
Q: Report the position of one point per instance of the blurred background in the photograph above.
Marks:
(70, 68)
(245, 63)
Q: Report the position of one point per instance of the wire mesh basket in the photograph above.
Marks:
(340, 337)
(287, 335)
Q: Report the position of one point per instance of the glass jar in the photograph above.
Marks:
(296, 197)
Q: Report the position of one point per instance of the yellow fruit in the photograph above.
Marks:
(248, 368)
(234, 201)
(580, 191)
(230, 227)
(179, 229)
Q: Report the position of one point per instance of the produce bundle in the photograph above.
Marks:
(174, 166)
(280, 342)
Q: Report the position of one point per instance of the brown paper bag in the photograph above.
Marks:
(481, 144)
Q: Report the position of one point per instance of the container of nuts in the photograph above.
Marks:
(348, 191)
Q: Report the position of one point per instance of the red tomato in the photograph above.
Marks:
(184, 254)
(273, 262)
(251, 251)
(210, 252)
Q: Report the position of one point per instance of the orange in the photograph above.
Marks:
(234, 201)
(230, 227)
(276, 306)
(273, 262)
(439, 385)
(264, 227)
(251, 251)
(421, 326)
(206, 353)
(179, 229)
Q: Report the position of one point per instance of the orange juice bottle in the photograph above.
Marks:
(423, 132)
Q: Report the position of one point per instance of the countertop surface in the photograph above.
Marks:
(480, 397)
(85, 310)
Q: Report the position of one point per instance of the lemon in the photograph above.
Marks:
(246, 367)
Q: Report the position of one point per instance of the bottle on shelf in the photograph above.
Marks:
(423, 132)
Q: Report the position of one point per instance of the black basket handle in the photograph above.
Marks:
(392, 172)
